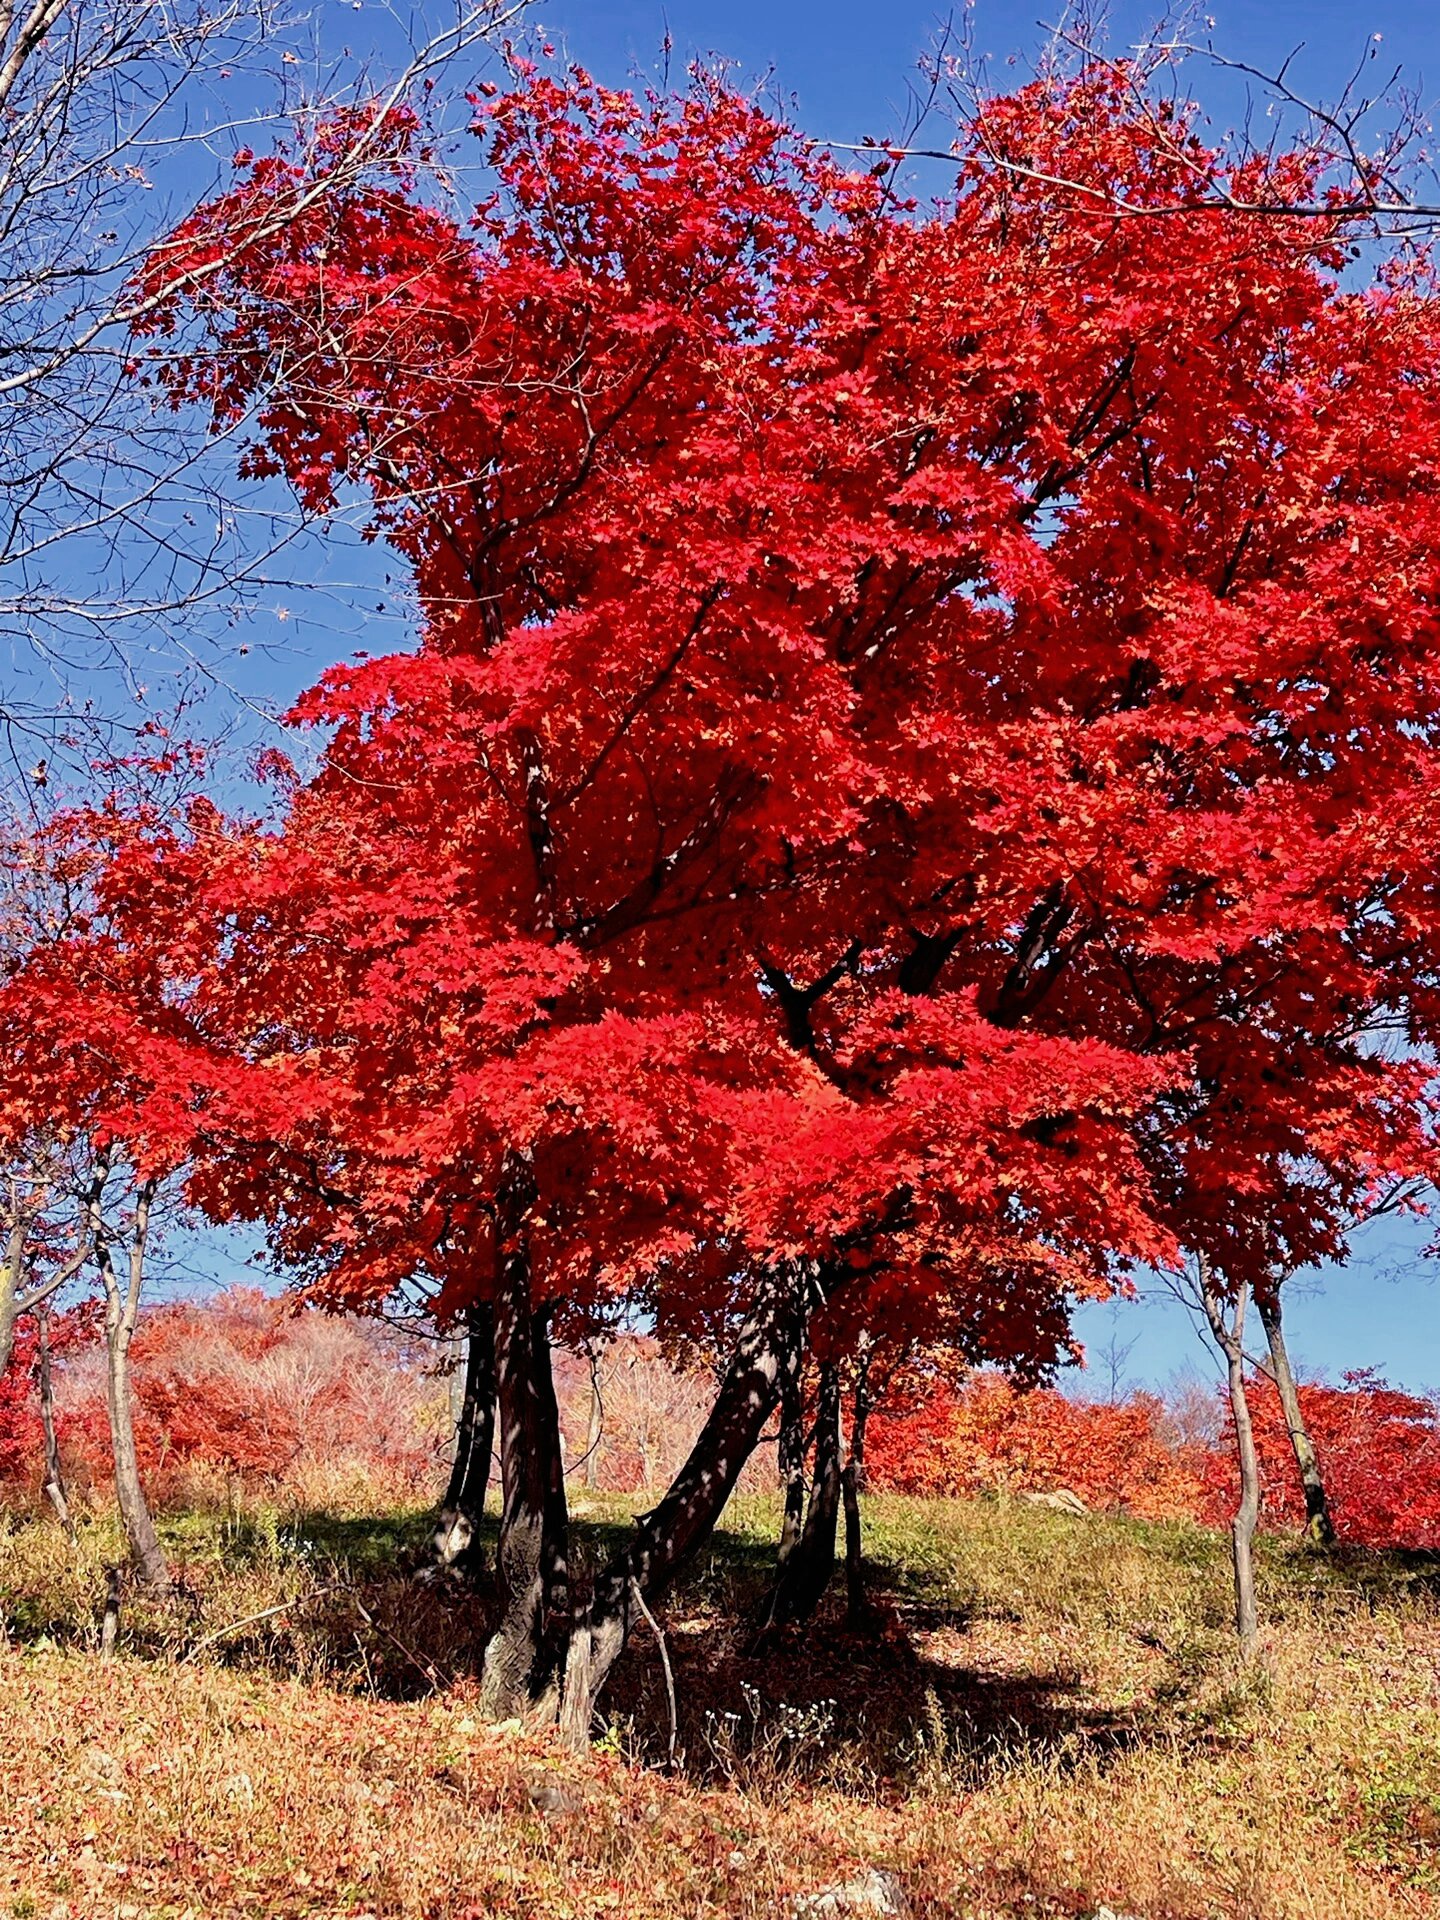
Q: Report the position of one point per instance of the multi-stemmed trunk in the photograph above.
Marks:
(664, 1540)
(458, 1524)
(522, 1663)
(1318, 1524)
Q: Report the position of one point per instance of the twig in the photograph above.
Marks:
(665, 1663)
(426, 1667)
(252, 1619)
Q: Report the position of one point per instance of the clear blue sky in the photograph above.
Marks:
(844, 68)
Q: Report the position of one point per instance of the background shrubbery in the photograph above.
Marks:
(241, 1390)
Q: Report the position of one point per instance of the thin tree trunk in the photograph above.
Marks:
(856, 1606)
(10, 1272)
(594, 1428)
(122, 1309)
(110, 1618)
(458, 1524)
(790, 1459)
(1227, 1323)
(54, 1473)
(16, 1297)
(531, 1568)
(1318, 1524)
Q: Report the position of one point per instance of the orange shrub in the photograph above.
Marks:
(989, 1436)
(244, 1386)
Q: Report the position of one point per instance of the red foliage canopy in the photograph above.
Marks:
(923, 750)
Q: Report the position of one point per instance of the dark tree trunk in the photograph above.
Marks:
(857, 1611)
(802, 1581)
(790, 1459)
(531, 1567)
(457, 1527)
(665, 1539)
(1318, 1524)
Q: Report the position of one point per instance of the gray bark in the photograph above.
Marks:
(10, 1274)
(122, 1310)
(1318, 1524)
(54, 1473)
(1227, 1323)
(20, 1291)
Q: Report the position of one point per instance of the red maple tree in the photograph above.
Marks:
(918, 771)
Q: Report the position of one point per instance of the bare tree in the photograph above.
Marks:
(123, 1289)
(1365, 148)
(116, 116)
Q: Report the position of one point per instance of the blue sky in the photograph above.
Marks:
(843, 68)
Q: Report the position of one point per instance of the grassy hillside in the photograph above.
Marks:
(1047, 1721)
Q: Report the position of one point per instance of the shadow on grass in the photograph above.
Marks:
(332, 1599)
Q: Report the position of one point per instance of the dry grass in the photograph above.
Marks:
(1046, 1720)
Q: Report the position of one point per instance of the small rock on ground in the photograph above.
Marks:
(871, 1893)
(553, 1798)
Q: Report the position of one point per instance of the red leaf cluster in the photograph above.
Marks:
(1379, 1451)
(19, 1417)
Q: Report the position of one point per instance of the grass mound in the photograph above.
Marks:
(1046, 1720)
